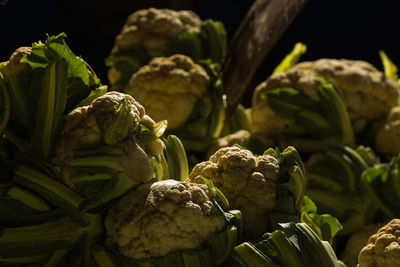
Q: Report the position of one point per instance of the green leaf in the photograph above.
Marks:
(336, 112)
(291, 59)
(389, 67)
(287, 102)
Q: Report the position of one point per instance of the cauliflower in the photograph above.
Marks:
(160, 218)
(153, 27)
(247, 181)
(383, 248)
(267, 124)
(356, 242)
(101, 142)
(146, 34)
(292, 103)
(13, 66)
(387, 139)
(367, 92)
(169, 87)
(150, 33)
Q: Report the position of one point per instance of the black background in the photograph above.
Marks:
(337, 29)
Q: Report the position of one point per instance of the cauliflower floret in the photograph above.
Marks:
(383, 248)
(356, 242)
(248, 182)
(13, 66)
(161, 218)
(153, 27)
(367, 92)
(387, 138)
(266, 124)
(169, 87)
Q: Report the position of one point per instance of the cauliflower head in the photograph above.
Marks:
(14, 66)
(161, 218)
(266, 124)
(247, 181)
(387, 138)
(110, 120)
(153, 27)
(367, 92)
(169, 87)
(149, 31)
(383, 248)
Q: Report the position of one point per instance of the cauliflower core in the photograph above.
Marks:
(169, 87)
(248, 182)
(162, 218)
(383, 248)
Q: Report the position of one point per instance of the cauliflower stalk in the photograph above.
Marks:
(154, 32)
(161, 218)
(254, 184)
(383, 248)
(108, 147)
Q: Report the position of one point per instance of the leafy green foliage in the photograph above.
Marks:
(382, 183)
(334, 184)
(53, 82)
(316, 124)
(291, 59)
(292, 245)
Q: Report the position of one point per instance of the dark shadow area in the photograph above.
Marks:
(335, 29)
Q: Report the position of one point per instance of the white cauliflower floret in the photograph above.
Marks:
(248, 182)
(161, 218)
(367, 92)
(266, 124)
(387, 138)
(383, 248)
(169, 87)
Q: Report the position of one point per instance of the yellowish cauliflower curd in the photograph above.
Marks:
(247, 181)
(169, 87)
(152, 28)
(161, 218)
(383, 248)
